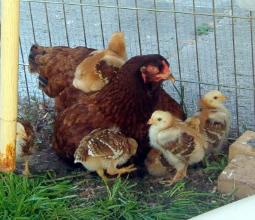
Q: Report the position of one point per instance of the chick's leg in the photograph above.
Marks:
(26, 171)
(100, 173)
(181, 172)
(112, 170)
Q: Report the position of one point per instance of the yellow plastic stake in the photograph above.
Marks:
(9, 83)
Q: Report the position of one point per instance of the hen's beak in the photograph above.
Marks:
(150, 122)
(171, 77)
(167, 73)
(168, 76)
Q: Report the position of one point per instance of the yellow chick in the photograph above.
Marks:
(91, 74)
(194, 123)
(24, 144)
(179, 144)
(214, 119)
(105, 149)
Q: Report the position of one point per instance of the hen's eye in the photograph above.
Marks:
(215, 97)
(159, 119)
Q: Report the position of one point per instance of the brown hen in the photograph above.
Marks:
(126, 102)
(56, 66)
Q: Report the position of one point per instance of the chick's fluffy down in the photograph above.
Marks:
(103, 148)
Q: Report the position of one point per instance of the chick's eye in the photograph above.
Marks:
(215, 97)
(159, 119)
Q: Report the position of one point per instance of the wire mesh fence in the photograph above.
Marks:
(209, 43)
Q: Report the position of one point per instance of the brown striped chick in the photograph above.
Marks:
(157, 165)
(214, 119)
(180, 145)
(105, 149)
(24, 144)
(88, 77)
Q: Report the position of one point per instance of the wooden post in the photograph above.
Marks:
(9, 83)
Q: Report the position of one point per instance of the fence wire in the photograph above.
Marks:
(209, 43)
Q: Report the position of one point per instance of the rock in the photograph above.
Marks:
(238, 177)
(244, 145)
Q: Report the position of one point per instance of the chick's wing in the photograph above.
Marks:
(179, 142)
(106, 143)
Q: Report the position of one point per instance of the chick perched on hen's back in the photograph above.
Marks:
(105, 149)
(24, 143)
(179, 144)
(87, 78)
(214, 119)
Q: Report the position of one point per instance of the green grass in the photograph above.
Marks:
(22, 198)
(46, 198)
(214, 167)
(204, 29)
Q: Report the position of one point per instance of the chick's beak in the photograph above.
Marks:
(223, 98)
(150, 122)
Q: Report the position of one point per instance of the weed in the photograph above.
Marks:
(204, 29)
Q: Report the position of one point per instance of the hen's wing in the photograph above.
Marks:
(56, 66)
(68, 97)
(167, 103)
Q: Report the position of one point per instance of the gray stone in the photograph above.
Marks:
(244, 145)
(238, 177)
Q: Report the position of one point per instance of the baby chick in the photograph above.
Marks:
(194, 123)
(156, 164)
(105, 149)
(214, 119)
(179, 144)
(24, 144)
(90, 76)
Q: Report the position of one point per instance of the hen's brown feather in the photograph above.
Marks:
(57, 65)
